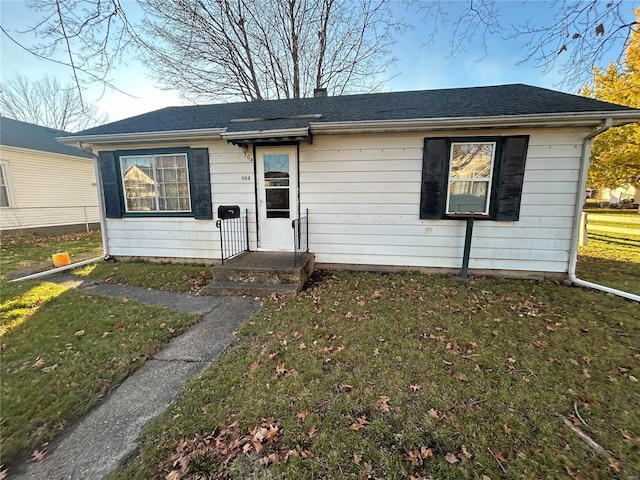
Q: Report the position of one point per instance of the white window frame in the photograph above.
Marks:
(488, 180)
(6, 174)
(153, 156)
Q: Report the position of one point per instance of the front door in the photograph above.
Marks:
(277, 177)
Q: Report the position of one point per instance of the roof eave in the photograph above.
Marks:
(265, 137)
(123, 138)
(588, 119)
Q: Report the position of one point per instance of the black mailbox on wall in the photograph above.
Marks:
(228, 211)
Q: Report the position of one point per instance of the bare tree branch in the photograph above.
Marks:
(268, 48)
(579, 35)
(45, 102)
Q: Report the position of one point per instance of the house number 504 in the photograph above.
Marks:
(246, 178)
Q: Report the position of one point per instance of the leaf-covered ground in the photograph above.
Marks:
(408, 376)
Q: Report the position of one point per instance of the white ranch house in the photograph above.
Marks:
(388, 180)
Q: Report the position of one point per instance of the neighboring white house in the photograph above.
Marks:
(44, 185)
(388, 179)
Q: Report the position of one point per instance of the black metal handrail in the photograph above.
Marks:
(300, 236)
(234, 235)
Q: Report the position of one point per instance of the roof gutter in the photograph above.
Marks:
(546, 119)
(115, 138)
(582, 183)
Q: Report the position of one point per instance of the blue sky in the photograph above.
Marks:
(419, 66)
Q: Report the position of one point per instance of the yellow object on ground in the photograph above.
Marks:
(60, 259)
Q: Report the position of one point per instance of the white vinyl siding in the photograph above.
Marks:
(363, 196)
(367, 214)
(44, 186)
(186, 238)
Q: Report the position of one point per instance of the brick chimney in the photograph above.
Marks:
(320, 92)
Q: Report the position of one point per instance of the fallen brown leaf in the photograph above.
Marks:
(437, 414)
(451, 458)
(38, 363)
(426, 452)
(255, 365)
(383, 404)
(38, 455)
(50, 369)
(413, 456)
(464, 452)
(79, 333)
(362, 422)
(280, 370)
(174, 475)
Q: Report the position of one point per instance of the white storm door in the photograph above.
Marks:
(277, 179)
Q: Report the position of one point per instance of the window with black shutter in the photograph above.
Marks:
(157, 182)
(478, 177)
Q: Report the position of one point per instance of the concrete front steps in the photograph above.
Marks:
(261, 274)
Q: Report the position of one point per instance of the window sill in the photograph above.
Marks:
(463, 216)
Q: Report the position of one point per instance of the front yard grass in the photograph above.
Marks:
(611, 259)
(408, 376)
(33, 252)
(62, 350)
(181, 278)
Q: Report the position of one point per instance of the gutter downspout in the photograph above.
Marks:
(102, 210)
(582, 182)
(58, 270)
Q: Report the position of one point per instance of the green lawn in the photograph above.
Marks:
(62, 350)
(32, 252)
(362, 375)
(403, 376)
(612, 259)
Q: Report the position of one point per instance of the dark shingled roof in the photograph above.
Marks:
(14, 133)
(502, 100)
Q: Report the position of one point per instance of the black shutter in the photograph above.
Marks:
(434, 178)
(110, 184)
(510, 175)
(200, 184)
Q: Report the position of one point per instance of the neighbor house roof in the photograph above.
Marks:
(239, 120)
(14, 133)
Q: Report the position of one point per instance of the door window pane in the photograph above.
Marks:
(277, 202)
(276, 170)
(276, 184)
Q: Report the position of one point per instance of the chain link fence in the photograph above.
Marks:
(32, 219)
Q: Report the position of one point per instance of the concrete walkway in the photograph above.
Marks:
(107, 436)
